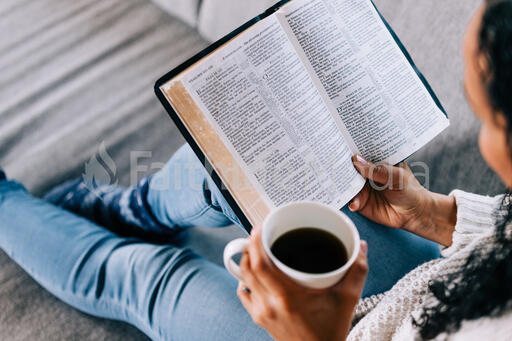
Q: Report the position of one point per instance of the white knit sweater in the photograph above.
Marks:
(388, 316)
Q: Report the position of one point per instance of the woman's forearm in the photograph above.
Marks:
(438, 220)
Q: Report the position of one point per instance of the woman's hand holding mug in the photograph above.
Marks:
(290, 304)
(290, 311)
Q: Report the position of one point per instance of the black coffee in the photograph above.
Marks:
(310, 250)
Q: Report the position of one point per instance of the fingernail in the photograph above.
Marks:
(362, 161)
(364, 247)
(354, 205)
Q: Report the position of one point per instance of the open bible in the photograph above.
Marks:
(276, 109)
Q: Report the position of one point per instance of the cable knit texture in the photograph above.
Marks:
(389, 316)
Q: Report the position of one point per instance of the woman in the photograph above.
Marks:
(410, 292)
(467, 295)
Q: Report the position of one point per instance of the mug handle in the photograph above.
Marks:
(234, 247)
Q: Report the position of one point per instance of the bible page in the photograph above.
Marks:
(365, 79)
(261, 101)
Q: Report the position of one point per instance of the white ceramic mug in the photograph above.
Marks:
(298, 215)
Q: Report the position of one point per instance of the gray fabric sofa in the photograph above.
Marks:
(76, 74)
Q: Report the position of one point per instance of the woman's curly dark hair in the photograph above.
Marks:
(483, 286)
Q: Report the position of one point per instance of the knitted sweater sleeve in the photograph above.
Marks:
(475, 216)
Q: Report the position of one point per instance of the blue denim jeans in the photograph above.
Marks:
(168, 292)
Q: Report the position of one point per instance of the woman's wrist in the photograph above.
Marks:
(437, 219)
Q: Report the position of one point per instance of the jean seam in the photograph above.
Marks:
(199, 214)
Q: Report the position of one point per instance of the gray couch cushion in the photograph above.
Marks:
(218, 18)
(77, 73)
(187, 10)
